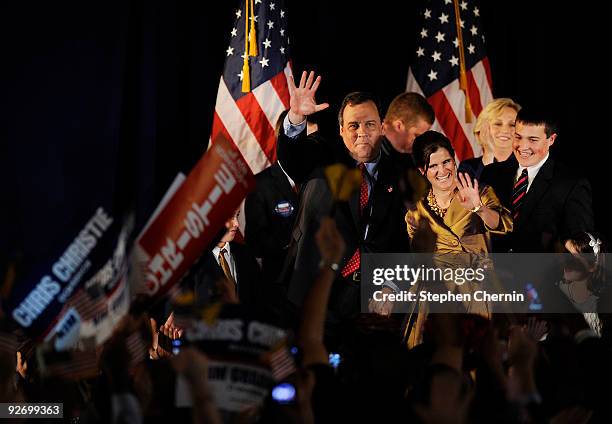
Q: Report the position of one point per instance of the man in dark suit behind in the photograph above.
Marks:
(373, 218)
(270, 212)
(548, 202)
(227, 268)
(408, 116)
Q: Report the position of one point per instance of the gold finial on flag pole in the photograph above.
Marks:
(463, 85)
(246, 77)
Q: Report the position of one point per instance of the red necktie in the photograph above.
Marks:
(355, 262)
(518, 193)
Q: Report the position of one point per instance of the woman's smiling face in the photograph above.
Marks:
(441, 171)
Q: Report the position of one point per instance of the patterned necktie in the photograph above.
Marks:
(518, 193)
(355, 262)
(225, 266)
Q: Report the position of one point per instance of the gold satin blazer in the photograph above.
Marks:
(459, 231)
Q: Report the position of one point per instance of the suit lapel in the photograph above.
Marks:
(378, 198)
(214, 266)
(282, 183)
(539, 186)
(509, 174)
(454, 213)
(241, 280)
(381, 192)
(354, 207)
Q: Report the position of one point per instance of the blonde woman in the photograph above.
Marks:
(494, 130)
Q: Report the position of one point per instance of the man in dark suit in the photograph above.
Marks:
(549, 203)
(270, 212)
(373, 218)
(408, 116)
(228, 269)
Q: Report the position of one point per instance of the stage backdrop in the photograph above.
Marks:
(101, 104)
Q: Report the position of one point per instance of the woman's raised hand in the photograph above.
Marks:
(469, 196)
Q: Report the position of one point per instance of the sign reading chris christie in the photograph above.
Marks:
(81, 285)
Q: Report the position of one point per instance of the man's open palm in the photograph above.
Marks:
(302, 102)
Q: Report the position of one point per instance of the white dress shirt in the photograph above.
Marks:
(532, 171)
(291, 182)
(228, 257)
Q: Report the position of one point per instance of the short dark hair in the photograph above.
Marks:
(408, 107)
(532, 116)
(357, 98)
(428, 143)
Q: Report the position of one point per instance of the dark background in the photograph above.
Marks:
(102, 103)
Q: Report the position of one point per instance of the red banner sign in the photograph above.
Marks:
(193, 215)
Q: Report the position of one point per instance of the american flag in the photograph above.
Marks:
(137, 349)
(282, 363)
(251, 97)
(442, 53)
(8, 342)
(75, 365)
(88, 307)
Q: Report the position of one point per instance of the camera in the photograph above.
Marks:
(170, 345)
(535, 304)
(284, 393)
(334, 360)
(176, 346)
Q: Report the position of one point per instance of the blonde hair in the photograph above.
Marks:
(492, 111)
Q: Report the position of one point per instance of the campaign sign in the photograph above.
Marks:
(38, 299)
(191, 217)
(240, 348)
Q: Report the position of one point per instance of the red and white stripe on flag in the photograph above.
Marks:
(248, 117)
(449, 106)
(249, 122)
(282, 363)
(451, 38)
(74, 365)
(87, 307)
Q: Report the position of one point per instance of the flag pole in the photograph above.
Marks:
(246, 79)
(462, 72)
(252, 34)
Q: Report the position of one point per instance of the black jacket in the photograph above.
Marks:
(556, 207)
(270, 212)
(305, 158)
(403, 165)
(206, 272)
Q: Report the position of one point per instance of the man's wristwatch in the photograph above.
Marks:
(333, 266)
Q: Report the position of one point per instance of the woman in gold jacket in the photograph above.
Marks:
(454, 220)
